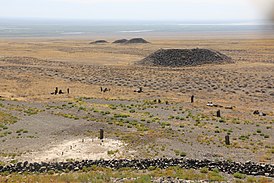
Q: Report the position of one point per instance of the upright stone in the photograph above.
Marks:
(192, 99)
(227, 141)
(101, 134)
(218, 113)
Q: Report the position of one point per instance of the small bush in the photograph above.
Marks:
(259, 131)
(239, 175)
(182, 154)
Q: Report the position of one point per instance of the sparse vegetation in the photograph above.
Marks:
(158, 122)
(6, 118)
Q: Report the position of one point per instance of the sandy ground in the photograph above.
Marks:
(79, 149)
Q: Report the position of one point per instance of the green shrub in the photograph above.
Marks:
(239, 175)
(144, 178)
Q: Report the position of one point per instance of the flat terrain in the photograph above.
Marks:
(36, 125)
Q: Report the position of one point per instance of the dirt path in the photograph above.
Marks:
(78, 149)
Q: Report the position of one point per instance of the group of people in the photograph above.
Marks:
(57, 91)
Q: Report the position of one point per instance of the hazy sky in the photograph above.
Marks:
(132, 9)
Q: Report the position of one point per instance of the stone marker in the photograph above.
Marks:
(218, 113)
(101, 134)
(227, 141)
(192, 99)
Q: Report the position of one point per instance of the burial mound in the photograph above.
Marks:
(184, 57)
(99, 42)
(136, 40)
(120, 41)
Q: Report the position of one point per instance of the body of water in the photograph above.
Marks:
(50, 28)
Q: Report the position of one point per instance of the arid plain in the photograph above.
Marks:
(36, 125)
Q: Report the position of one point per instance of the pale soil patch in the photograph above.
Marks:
(92, 149)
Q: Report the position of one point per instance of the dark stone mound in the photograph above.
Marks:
(120, 41)
(137, 41)
(99, 42)
(184, 57)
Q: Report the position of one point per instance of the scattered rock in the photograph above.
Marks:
(257, 112)
(211, 104)
(140, 90)
(184, 57)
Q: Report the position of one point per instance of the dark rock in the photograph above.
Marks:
(43, 169)
(257, 112)
(248, 168)
(25, 163)
(140, 90)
